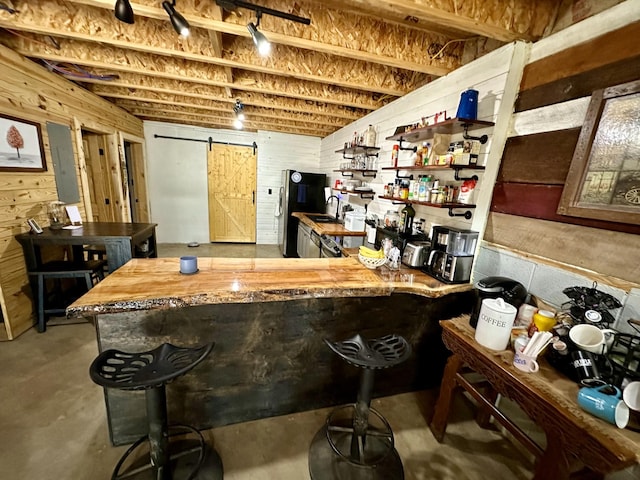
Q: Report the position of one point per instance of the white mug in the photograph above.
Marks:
(494, 323)
(631, 396)
(591, 338)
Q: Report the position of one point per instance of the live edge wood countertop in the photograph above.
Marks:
(331, 229)
(156, 283)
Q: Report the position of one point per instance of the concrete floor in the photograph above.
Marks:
(53, 421)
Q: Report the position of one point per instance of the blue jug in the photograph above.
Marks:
(468, 107)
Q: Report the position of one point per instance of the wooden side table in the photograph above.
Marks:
(578, 444)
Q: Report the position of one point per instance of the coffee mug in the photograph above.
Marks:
(525, 363)
(584, 365)
(188, 264)
(605, 402)
(591, 338)
(631, 396)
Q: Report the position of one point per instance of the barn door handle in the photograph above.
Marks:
(253, 197)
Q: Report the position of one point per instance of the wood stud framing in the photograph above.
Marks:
(355, 56)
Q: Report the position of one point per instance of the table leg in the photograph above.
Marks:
(440, 419)
(484, 415)
(554, 463)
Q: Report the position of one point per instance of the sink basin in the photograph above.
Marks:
(323, 219)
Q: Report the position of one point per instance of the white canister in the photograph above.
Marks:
(494, 323)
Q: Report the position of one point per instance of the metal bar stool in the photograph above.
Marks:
(354, 444)
(151, 371)
(92, 271)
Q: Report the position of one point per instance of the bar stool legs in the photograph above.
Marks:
(166, 453)
(356, 442)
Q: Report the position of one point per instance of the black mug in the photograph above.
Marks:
(585, 368)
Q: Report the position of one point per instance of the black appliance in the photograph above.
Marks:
(450, 259)
(511, 291)
(329, 248)
(300, 192)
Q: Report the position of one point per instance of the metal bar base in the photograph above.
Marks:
(325, 464)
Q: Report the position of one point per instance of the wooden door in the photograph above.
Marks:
(99, 178)
(231, 176)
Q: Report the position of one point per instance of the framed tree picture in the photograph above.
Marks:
(604, 177)
(21, 148)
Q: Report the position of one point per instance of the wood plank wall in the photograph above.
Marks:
(554, 92)
(29, 91)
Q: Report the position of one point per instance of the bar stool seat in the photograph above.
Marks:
(352, 444)
(91, 271)
(151, 371)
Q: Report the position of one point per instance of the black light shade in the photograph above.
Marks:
(261, 42)
(123, 11)
(179, 23)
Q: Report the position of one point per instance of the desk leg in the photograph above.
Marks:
(440, 419)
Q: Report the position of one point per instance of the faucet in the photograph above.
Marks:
(329, 200)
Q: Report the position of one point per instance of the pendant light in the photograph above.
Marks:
(180, 25)
(123, 11)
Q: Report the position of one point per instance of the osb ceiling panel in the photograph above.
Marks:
(354, 57)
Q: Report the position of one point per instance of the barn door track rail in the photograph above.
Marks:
(210, 141)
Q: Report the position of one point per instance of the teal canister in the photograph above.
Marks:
(468, 107)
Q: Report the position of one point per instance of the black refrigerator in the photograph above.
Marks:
(300, 192)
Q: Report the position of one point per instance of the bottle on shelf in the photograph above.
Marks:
(407, 215)
(370, 137)
(394, 155)
(426, 152)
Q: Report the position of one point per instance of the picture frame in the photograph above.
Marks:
(603, 182)
(21, 147)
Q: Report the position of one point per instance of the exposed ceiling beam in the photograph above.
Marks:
(117, 60)
(332, 31)
(158, 38)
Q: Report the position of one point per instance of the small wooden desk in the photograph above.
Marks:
(119, 240)
(575, 439)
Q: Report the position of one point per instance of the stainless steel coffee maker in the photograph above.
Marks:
(451, 257)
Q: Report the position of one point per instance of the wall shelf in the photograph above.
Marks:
(451, 126)
(451, 206)
(348, 172)
(349, 153)
(426, 168)
(370, 195)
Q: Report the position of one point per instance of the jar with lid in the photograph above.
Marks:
(404, 190)
(391, 219)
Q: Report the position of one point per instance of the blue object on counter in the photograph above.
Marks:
(605, 402)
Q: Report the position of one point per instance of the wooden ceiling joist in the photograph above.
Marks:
(249, 126)
(123, 88)
(151, 99)
(332, 31)
(228, 121)
(89, 24)
(116, 60)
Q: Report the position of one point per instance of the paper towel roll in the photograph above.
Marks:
(371, 234)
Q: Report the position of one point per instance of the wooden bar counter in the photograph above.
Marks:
(268, 318)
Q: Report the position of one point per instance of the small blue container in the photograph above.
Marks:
(468, 107)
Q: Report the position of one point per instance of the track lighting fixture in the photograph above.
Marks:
(238, 109)
(260, 41)
(123, 11)
(179, 23)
